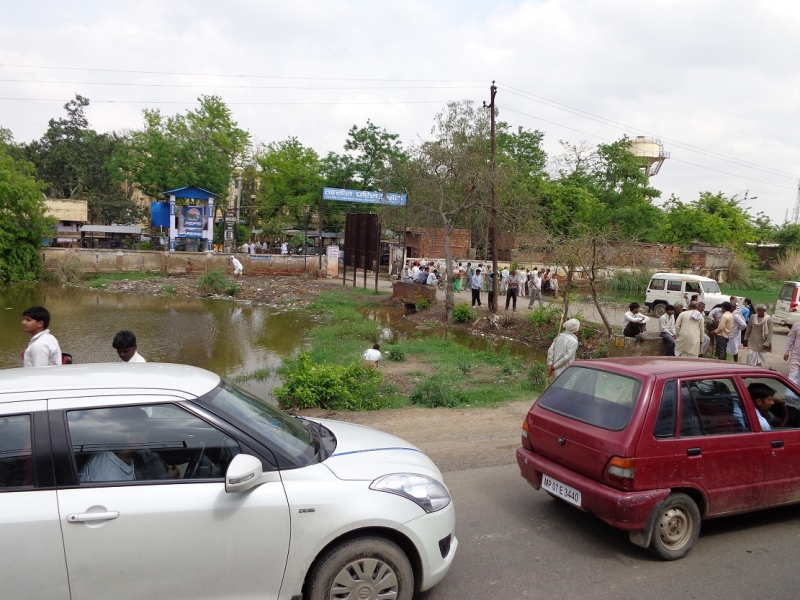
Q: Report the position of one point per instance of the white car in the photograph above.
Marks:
(668, 288)
(787, 303)
(133, 481)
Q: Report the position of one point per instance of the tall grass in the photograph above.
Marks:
(739, 273)
(787, 267)
(214, 282)
(635, 281)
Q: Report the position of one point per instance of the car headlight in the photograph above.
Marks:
(428, 493)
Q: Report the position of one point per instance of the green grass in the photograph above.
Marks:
(96, 281)
(757, 296)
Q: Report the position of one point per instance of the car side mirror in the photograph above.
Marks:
(244, 473)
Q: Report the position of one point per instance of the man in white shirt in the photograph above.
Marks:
(666, 325)
(372, 356)
(284, 248)
(125, 345)
(536, 289)
(237, 266)
(432, 279)
(477, 286)
(43, 349)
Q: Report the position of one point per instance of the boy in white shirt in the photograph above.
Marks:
(43, 349)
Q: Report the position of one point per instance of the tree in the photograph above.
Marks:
(449, 176)
(23, 223)
(198, 148)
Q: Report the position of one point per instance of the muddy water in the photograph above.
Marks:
(229, 338)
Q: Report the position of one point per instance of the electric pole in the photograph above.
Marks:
(490, 106)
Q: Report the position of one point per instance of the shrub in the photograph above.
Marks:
(68, 269)
(436, 392)
(462, 313)
(233, 289)
(146, 246)
(545, 315)
(739, 273)
(601, 352)
(787, 267)
(465, 367)
(168, 289)
(333, 387)
(214, 282)
(537, 377)
(421, 302)
(397, 353)
(635, 281)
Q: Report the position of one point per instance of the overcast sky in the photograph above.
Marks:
(717, 80)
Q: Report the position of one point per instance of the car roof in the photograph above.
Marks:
(108, 376)
(643, 366)
(683, 276)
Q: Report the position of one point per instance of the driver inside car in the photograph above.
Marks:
(133, 462)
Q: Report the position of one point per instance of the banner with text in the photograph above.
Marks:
(364, 197)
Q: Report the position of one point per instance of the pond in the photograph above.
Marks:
(226, 337)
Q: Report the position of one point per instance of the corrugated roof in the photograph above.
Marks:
(111, 229)
(190, 191)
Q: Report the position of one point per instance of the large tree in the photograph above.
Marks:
(23, 223)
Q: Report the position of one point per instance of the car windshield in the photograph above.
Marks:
(291, 436)
(710, 287)
(592, 396)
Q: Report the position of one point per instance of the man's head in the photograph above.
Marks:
(477, 271)
(633, 307)
(726, 307)
(670, 309)
(35, 319)
(734, 301)
(376, 346)
(125, 344)
(678, 308)
(761, 310)
(701, 306)
(762, 395)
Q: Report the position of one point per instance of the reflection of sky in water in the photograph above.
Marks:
(228, 338)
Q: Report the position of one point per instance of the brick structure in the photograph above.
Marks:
(411, 293)
(429, 242)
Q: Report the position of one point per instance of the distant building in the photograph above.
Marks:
(423, 242)
(70, 215)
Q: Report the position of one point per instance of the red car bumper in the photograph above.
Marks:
(624, 510)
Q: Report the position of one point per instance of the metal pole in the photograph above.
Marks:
(305, 246)
(493, 90)
(321, 214)
(378, 255)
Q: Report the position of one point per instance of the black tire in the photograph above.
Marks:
(676, 527)
(351, 570)
(659, 309)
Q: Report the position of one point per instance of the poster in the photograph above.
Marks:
(192, 222)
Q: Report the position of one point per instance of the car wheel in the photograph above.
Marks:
(365, 568)
(676, 527)
(659, 309)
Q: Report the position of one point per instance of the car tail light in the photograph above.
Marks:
(619, 472)
(793, 305)
(526, 442)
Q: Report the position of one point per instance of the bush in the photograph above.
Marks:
(214, 282)
(421, 302)
(545, 315)
(787, 267)
(738, 273)
(233, 289)
(635, 281)
(333, 387)
(146, 246)
(465, 367)
(462, 313)
(68, 269)
(397, 353)
(537, 377)
(601, 352)
(168, 289)
(436, 392)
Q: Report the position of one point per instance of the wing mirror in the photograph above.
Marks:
(245, 472)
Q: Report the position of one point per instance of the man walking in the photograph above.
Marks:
(758, 337)
(723, 331)
(690, 332)
(43, 349)
(477, 286)
(536, 289)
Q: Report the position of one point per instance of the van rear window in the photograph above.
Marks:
(656, 284)
(787, 291)
(599, 398)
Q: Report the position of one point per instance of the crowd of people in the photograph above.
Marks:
(689, 332)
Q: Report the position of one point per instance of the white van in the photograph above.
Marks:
(669, 288)
(786, 312)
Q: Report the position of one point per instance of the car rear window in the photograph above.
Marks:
(786, 292)
(657, 284)
(599, 398)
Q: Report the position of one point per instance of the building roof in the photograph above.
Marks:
(67, 210)
(190, 191)
(111, 229)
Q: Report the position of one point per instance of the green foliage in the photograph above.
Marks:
(630, 282)
(146, 246)
(397, 353)
(462, 313)
(537, 377)
(233, 289)
(23, 223)
(545, 315)
(214, 282)
(601, 352)
(168, 289)
(465, 367)
(421, 303)
(437, 392)
(333, 387)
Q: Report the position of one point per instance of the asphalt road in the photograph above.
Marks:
(516, 542)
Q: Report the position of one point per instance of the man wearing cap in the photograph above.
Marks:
(758, 337)
(237, 266)
(562, 351)
(689, 332)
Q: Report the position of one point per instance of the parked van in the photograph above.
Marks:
(786, 312)
(669, 288)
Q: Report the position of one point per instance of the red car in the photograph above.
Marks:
(652, 445)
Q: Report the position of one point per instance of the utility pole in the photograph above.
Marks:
(490, 106)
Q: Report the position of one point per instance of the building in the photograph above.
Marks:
(70, 215)
(428, 242)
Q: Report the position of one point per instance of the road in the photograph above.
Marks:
(516, 542)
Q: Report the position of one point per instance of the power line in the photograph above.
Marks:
(554, 123)
(229, 103)
(247, 75)
(243, 87)
(623, 127)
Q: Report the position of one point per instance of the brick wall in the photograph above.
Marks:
(429, 242)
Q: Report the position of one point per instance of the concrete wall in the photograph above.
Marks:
(176, 263)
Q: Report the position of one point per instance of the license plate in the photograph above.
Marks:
(565, 492)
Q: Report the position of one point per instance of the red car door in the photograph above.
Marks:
(717, 448)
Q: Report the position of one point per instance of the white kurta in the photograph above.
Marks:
(562, 352)
(689, 333)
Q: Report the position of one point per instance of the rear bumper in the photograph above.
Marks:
(624, 510)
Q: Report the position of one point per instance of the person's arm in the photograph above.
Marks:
(550, 355)
(768, 338)
(570, 347)
(790, 341)
(747, 331)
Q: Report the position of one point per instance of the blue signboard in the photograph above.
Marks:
(192, 226)
(364, 197)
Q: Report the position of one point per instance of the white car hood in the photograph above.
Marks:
(712, 300)
(363, 453)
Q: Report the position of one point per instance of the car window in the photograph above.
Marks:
(785, 412)
(665, 422)
(592, 396)
(692, 287)
(711, 407)
(787, 291)
(674, 285)
(147, 443)
(657, 284)
(710, 287)
(16, 461)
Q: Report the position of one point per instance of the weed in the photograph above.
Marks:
(421, 303)
(545, 315)
(537, 377)
(436, 392)
(233, 289)
(462, 313)
(787, 267)
(214, 282)
(261, 374)
(738, 273)
(68, 269)
(635, 281)
(169, 289)
(601, 352)
(397, 353)
(465, 367)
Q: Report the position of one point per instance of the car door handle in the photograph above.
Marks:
(777, 443)
(693, 452)
(87, 517)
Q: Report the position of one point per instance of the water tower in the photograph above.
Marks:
(652, 150)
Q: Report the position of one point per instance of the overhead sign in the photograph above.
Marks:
(364, 197)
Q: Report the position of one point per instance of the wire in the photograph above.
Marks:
(229, 103)
(249, 75)
(622, 126)
(554, 123)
